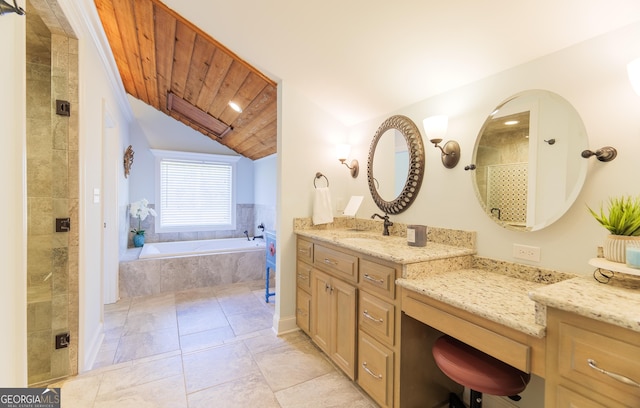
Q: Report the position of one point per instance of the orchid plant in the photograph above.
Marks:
(140, 210)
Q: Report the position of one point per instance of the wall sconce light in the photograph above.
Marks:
(606, 154)
(343, 151)
(633, 69)
(8, 8)
(435, 127)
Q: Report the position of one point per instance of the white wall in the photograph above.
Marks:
(306, 144)
(265, 180)
(592, 77)
(13, 240)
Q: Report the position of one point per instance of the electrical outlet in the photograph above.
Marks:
(526, 252)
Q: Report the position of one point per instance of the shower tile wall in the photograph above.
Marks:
(52, 192)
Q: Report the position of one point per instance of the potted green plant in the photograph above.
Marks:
(622, 220)
(140, 210)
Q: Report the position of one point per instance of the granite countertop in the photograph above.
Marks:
(494, 296)
(390, 248)
(609, 303)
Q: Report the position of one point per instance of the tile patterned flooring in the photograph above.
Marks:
(206, 347)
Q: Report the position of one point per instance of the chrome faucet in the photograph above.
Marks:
(386, 224)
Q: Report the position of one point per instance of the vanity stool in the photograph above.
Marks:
(477, 371)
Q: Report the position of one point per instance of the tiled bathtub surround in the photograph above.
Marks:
(142, 277)
(52, 192)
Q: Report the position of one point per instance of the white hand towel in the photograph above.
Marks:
(322, 209)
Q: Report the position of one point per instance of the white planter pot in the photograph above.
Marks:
(615, 247)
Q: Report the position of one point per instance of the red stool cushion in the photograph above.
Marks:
(477, 370)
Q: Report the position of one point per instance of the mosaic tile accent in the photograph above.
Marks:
(507, 186)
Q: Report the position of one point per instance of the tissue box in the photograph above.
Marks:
(417, 235)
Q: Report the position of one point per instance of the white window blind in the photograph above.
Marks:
(194, 194)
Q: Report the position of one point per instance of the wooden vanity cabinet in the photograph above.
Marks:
(303, 296)
(572, 342)
(354, 314)
(333, 319)
(378, 336)
(303, 285)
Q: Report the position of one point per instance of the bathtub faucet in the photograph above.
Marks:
(258, 236)
(247, 234)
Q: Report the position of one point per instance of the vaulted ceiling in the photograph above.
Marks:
(172, 65)
(356, 60)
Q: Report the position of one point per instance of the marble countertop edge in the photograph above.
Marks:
(390, 248)
(584, 296)
(508, 310)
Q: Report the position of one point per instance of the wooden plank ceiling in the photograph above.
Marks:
(158, 52)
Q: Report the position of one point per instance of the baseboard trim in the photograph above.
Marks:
(282, 325)
(92, 349)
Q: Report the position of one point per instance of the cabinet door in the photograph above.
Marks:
(344, 326)
(321, 310)
(303, 307)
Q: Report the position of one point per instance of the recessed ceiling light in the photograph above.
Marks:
(511, 122)
(235, 107)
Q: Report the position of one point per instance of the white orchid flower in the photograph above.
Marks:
(141, 211)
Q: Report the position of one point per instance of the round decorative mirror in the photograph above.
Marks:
(528, 168)
(395, 167)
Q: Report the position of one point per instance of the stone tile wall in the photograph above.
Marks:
(52, 192)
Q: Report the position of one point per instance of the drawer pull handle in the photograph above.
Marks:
(371, 373)
(615, 376)
(330, 261)
(303, 277)
(374, 280)
(368, 316)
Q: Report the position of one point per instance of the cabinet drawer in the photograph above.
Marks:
(339, 263)
(378, 278)
(303, 276)
(303, 308)
(578, 346)
(375, 369)
(565, 398)
(305, 250)
(377, 318)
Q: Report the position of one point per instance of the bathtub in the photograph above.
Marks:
(174, 266)
(207, 246)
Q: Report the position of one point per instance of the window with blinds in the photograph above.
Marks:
(195, 194)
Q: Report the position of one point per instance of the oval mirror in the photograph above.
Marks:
(528, 168)
(395, 166)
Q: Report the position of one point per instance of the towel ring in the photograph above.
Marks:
(318, 175)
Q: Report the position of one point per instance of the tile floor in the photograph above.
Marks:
(207, 347)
